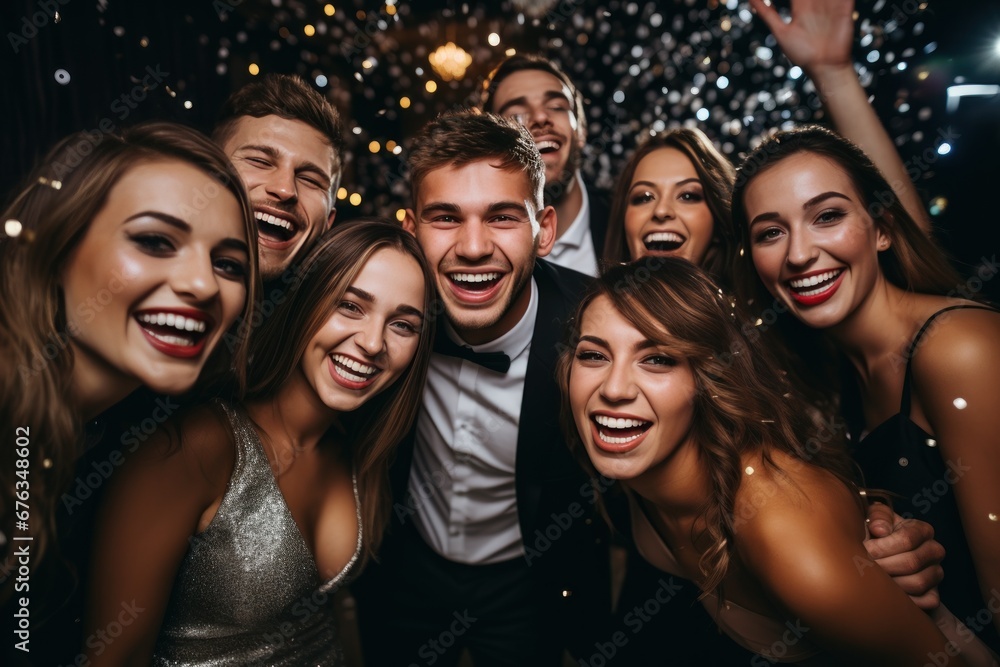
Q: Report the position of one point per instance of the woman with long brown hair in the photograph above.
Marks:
(866, 314)
(728, 483)
(124, 261)
(233, 528)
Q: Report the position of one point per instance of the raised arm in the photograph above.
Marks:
(955, 371)
(818, 39)
(826, 581)
(152, 508)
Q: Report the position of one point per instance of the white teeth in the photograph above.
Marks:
(544, 145)
(669, 237)
(611, 422)
(364, 370)
(617, 441)
(178, 322)
(814, 280)
(173, 340)
(474, 277)
(274, 220)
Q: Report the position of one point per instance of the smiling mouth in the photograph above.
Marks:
(353, 371)
(814, 285)
(617, 431)
(663, 241)
(174, 334)
(275, 228)
(475, 282)
(548, 146)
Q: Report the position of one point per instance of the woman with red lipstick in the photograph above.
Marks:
(234, 528)
(672, 197)
(113, 280)
(864, 286)
(728, 483)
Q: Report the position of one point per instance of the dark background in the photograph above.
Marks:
(641, 65)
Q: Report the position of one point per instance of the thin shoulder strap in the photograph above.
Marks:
(904, 403)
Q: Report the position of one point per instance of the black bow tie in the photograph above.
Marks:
(494, 361)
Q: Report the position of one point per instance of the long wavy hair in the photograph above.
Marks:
(742, 404)
(716, 174)
(373, 431)
(53, 212)
(912, 262)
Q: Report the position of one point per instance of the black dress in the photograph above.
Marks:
(900, 457)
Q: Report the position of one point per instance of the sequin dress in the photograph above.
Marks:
(248, 591)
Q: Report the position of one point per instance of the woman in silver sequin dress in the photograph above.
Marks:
(112, 282)
(223, 542)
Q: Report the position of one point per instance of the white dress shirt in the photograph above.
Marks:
(575, 248)
(462, 477)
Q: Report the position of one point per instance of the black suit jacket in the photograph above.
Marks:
(600, 211)
(565, 540)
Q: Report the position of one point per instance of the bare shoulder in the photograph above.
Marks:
(955, 341)
(794, 514)
(196, 443)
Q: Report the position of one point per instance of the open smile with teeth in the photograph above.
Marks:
(272, 226)
(548, 146)
(352, 370)
(617, 431)
(172, 328)
(475, 281)
(814, 285)
(663, 241)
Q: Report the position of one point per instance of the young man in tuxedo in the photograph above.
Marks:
(536, 93)
(494, 545)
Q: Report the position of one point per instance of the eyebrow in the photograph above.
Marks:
(548, 96)
(650, 184)
(641, 345)
(492, 207)
(773, 215)
(370, 298)
(228, 242)
(274, 154)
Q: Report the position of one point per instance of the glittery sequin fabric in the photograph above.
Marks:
(248, 591)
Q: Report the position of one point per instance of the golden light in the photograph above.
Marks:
(510, 52)
(431, 86)
(309, 30)
(342, 193)
(923, 75)
(400, 214)
(494, 39)
(390, 10)
(374, 147)
(329, 10)
(390, 145)
(404, 102)
(450, 61)
(254, 69)
(355, 199)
